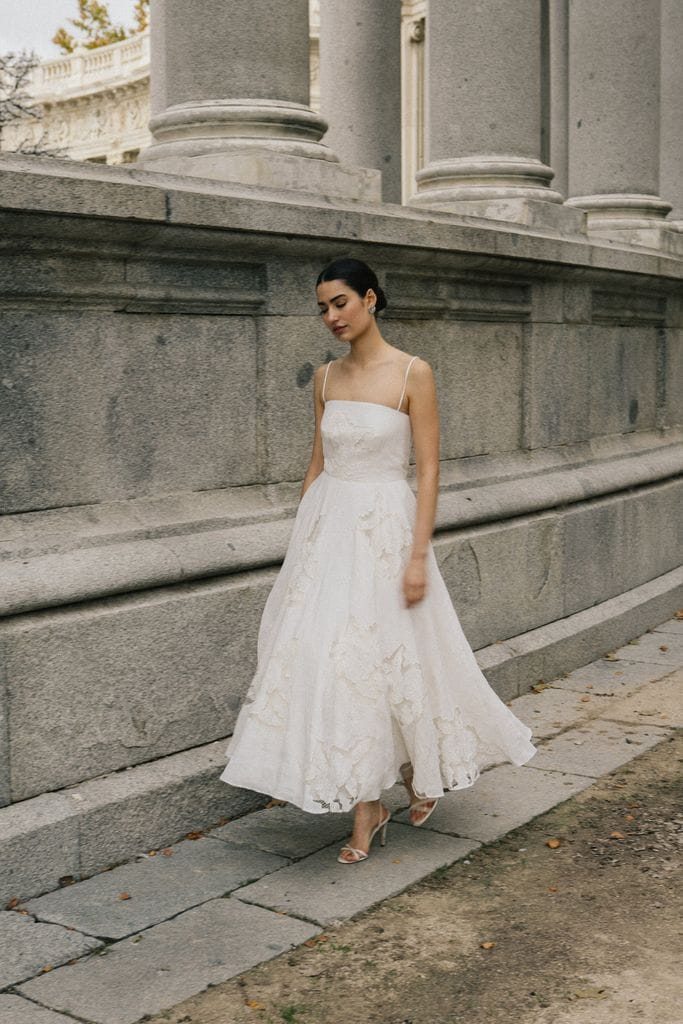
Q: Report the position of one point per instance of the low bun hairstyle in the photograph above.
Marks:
(356, 275)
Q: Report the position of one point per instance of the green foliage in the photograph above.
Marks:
(95, 26)
(141, 15)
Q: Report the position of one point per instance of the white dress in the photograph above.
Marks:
(350, 684)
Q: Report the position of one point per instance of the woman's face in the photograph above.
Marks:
(343, 310)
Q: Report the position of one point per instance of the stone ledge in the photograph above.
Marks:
(56, 558)
(35, 185)
(105, 821)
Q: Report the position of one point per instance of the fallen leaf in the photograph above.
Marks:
(397, 861)
(589, 993)
(151, 853)
(254, 1004)
(276, 803)
(487, 945)
(552, 888)
(586, 697)
(168, 852)
(610, 656)
(12, 903)
(194, 835)
(664, 647)
(540, 686)
(553, 843)
(678, 614)
(123, 896)
(617, 835)
(46, 968)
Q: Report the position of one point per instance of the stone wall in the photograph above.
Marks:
(158, 344)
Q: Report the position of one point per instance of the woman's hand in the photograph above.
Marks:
(415, 580)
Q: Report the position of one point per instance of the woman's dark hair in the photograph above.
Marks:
(356, 275)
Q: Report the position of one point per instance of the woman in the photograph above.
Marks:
(364, 674)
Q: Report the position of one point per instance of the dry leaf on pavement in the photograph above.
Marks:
(589, 993)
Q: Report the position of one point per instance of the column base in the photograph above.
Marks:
(254, 142)
(632, 218)
(538, 214)
(485, 180)
(253, 165)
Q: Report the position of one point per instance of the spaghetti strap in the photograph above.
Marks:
(405, 382)
(327, 370)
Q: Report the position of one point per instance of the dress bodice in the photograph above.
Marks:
(365, 441)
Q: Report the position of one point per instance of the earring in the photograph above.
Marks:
(372, 309)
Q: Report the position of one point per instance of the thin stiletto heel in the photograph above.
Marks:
(359, 855)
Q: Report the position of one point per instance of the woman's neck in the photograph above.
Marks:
(368, 348)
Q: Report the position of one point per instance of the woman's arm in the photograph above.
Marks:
(315, 467)
(424, 419)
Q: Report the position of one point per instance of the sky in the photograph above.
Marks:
(30, 24)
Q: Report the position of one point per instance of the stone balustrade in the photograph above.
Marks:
(101, 68)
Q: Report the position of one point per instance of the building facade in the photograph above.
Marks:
(95, 103)
(159, 340)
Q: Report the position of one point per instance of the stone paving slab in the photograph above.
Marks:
(168, 963)
(322, 890)
(159, 887)
(501, 800)
(597, 748)
(287, 831)
(649, 648)
(291, 832)
(609, 676)
(15, 1010)
(26, 946)
(550, 711)
(659, 704)
(670, 626)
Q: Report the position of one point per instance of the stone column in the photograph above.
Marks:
(360, 85)
(614, 78)
(230, 93)
(671, 144)
(484, 109)
(558, 84)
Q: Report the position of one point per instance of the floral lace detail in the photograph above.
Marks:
(307, 565)
(267, 698)
(389, 535)
(358, 449)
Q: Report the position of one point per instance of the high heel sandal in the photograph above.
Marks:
(359, 855)
(419, 806)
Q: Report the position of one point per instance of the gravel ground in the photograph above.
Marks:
(587, 930)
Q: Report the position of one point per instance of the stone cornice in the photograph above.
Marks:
(61, 188)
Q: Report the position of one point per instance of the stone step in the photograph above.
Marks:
(108, 820)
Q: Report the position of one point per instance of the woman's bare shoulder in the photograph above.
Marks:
(420, 369)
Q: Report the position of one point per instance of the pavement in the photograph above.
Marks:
(140, 938)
